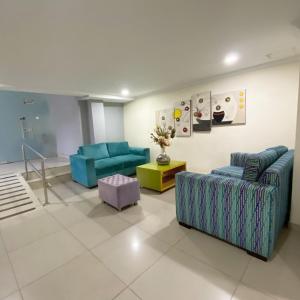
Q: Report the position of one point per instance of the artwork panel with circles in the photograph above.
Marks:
(182, 116)
(201, 111)
(229, 108)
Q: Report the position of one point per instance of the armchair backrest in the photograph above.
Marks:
(257, 163)
(279, 174)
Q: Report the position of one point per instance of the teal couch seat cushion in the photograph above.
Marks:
(131, 160)
(96, 151)
(257, 163)
(229, 171)
(118, 148)
(108, 165)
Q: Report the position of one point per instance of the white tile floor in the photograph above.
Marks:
(79, 248)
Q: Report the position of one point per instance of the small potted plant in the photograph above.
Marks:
(162, 136)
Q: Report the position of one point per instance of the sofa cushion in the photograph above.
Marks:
(280, 150)
(229, 171)
(108, 165)
(119, 148)
(131, 160)
(95, 151)
(257, 163)
(239, 159)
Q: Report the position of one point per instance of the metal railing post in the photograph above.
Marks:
(25, 161)
(41, 173)
(44, 182)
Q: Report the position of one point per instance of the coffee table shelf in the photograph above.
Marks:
(159, 178)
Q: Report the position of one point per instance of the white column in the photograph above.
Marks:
(97, 122)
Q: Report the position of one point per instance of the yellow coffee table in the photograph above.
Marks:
(159, 178)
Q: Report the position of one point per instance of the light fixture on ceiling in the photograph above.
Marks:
(106, 98)
(231, 58)
(125, 92)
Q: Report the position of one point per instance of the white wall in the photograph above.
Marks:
(65, 115)
(114, 122)
(295, 215)
(272, 95)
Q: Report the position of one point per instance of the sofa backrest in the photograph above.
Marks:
(118, 148)
(95, 151)
(280, 150)
(257, 163)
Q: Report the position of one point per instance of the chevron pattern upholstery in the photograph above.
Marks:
(279, 175)
(247, 214)
(238, 159)
(230, 171)
(257, 163)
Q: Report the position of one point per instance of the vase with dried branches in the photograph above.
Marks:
(163, 136)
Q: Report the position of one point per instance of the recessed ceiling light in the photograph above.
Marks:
(231, 58)
(125, 92)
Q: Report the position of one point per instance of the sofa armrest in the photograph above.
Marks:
(83, 170)
(238, 159)
(240, 212)
(140, 151)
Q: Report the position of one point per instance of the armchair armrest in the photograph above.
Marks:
(140, 151)
(240, 212)
(83, 170)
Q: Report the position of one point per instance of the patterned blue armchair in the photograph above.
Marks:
(245, 204)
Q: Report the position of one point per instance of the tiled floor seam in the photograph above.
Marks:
(53, 270)
(123, 290)
(156, 261)
(207, 264)
(240, 281)
(90, 251)
(134, 293)
(12, 268)
(36, 240)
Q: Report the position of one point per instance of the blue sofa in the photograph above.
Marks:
(93, 162)
(245, 204)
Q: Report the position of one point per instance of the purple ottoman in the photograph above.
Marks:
(119, 191)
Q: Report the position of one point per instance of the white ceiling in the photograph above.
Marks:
(102, 46)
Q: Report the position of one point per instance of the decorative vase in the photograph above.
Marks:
(163, 158)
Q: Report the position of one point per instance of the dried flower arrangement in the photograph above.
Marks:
(162, 136)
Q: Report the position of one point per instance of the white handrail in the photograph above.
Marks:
(41, 173)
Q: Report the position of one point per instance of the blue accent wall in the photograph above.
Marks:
(41, 135)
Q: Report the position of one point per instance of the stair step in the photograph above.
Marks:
(13, 195)
(8, 192)
(16, 212)
(8, 181)
(8, 184)
(7, 176)
(16, 197)
(9, 187)
(15, 205)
